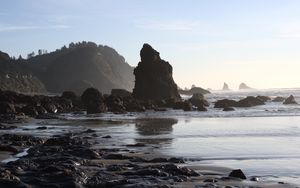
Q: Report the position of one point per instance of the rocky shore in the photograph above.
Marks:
(72, 160)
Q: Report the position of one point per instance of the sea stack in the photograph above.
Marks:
(244, 86)
(225, 87)
(153, 77)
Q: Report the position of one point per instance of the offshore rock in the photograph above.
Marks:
(153, 77)
(290, 100)
(225, 87)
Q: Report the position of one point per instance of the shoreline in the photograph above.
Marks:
(125, 160)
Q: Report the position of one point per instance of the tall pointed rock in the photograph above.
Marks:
(153, 77)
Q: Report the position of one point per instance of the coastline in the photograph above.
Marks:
(129, 159)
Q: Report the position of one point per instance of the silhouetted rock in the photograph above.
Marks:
(225, 87)
(115, 104)
(184, 105)
(69, 95)
(7, 108)
(93, 101)
(238, 173)
(290, 100)
(153, 77)
(199, 101)
(225, 103)
(244, 86)
(264, 98)
(120, 92)
(193, 90)
(249, 102)
(278, 99)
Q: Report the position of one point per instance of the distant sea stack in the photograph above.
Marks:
(225, 87)
(153, 77)
(244, 86)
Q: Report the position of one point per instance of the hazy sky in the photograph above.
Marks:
(206, 41)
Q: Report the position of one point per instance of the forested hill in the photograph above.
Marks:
(75, 68)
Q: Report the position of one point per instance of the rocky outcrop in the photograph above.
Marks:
(278, 99)
(244, 86)
(93, 101)
(153, 77)
(249, 102)
(224, 103)
(264, 98)
(290, 100)
(120, 93)
(193, 91)
(199, 101)
(225, 87)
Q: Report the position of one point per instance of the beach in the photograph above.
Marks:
(192, 143)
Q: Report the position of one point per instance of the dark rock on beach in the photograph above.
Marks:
(278, 99)
(225, 103)
(199, 101)
(264, 98)
(153, 77)
(93, 101)
(238, 173)
(249, 102)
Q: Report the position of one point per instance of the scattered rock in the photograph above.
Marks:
(278, 99)
(198, 101)
(225, 103)
(290, 100)
(120, 93)
(7, 108)
(238, 173)
(93, 100)
(249, 102)
(264, 98)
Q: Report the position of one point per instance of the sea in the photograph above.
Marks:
(263, 141)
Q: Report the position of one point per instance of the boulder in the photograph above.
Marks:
(153, 77)
(290, 100)
(225, 103)
(114, 104)
(93, 101)
(249, 102)
(238, 173)
(120, 93)
(278, 99)
(184, 105)
(69, 95)
(198, 100)
(7, 108)
(263, 98)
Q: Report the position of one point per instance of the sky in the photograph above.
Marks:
(208, 42)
